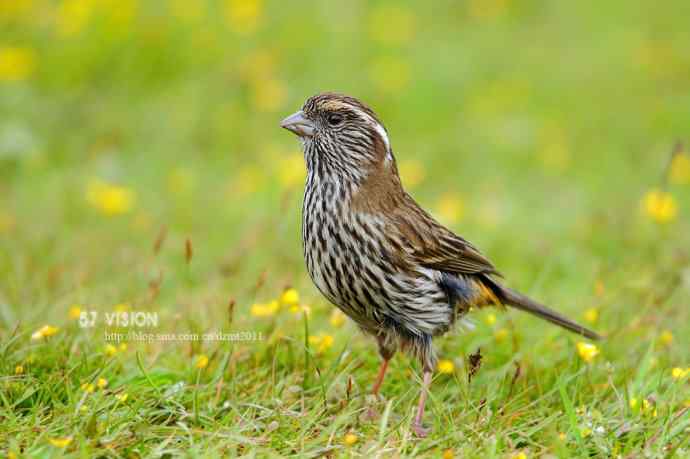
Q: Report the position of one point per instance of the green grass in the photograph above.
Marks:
(535, 131)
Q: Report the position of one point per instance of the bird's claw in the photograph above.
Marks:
(419, 430)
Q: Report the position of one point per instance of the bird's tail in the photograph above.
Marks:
(522, 302)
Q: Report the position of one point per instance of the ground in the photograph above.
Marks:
(143, 176)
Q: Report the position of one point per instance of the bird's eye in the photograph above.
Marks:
(334, 119)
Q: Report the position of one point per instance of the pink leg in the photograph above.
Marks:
(417, 427)
(379, 378)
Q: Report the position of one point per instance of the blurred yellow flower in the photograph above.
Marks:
(122, 398)
(666, 338)
(44, 332)
(337, 318)
(243, 16)
(490, 318)
(585, 432)
(446, 366)
(289, 297)
(109, 350)
(660, 206)
(520, 455)
(300, 308)
(292, 170)
(201, 361)
(591, 315)
(449, 208)
(264, 310)
(632, 403)
(322, 341)
(268, 94)
(102, 383)
(7, 222)
(122, 307)
(88, 388)
(19, 370)
(73, 16)
(391, 24)
(587, 351)
(501, 334)
(122, 347)
(680, 373)
(60, 442)
(412, 172)
(74, 312)
(14, 8)
(16, 63)
(110, 199)
(390, 74)
(350, 439)
(679, 172)
(188, 10)
(448, 454)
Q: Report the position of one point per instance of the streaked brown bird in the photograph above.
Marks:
(375, 253)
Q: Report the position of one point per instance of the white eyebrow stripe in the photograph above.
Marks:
(384, 136)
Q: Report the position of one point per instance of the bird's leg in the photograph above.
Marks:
(380, 377)
(417, 426)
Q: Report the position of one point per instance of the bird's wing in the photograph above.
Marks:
(432, 245)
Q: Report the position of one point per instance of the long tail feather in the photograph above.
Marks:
(522, 302)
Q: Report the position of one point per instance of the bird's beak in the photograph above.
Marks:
(298, 124)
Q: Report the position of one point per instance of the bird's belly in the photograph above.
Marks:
(371, 290)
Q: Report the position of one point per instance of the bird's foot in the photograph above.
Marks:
(419, 430)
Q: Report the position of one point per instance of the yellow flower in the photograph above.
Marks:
(390, 74)
(323, 341)
(562, 436)
(412, 172)
(109, 350)
(350, 439)
(660, 206)
(587, 351)
(201, 361)
(446, 367)
(16, 63)
(679, 173)
(122, 347)
(490, 318)
(299, 308)
(110, 199)
(591, 315)
(290, 297)
(520, 455)
(122, 398)
(448, 454)
(264, 310)
(586, 432)
(666, 338)
(74, 312)
(102, 383)
(87, 387)
(122, 307)
(60, 442)
(337, 318)
(44, 332)
(501, 334)
(243, 15)
(73, 16)
(391, 24)
(449, 208)
(19, 369)
(632, 403)
(680, 373)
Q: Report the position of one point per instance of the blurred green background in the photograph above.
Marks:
(142, 166)
(533, 128)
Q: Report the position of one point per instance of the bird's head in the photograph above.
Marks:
(340, 134)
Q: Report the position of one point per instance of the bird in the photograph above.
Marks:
(376, 254)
